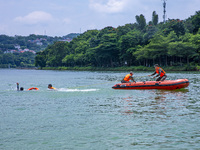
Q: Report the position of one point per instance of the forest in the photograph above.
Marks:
(173, 43)
(19, 51)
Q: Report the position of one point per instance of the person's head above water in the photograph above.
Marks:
(21, 88)
(50, 86)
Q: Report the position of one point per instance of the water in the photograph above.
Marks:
(86, 113)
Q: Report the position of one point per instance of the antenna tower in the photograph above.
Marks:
(164, 11)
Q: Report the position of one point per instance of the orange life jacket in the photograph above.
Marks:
(127, 77)
(53, 88)
(162, 72)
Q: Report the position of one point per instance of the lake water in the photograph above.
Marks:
(86, 113)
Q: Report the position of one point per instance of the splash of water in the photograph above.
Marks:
(76, 90)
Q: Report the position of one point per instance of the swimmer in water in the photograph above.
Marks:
(51, 87)
(21, 88)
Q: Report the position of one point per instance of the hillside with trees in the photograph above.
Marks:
(20, 51)
(174, 43)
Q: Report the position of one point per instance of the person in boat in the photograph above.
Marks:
(161, 74)
(127, 78)
(51, 87)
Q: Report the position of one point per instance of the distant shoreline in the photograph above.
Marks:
(131, 68)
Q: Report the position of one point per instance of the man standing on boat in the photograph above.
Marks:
(128, 77)
(161, 73)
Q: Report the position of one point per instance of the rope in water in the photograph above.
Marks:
(84, 86)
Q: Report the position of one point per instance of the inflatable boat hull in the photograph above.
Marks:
(166, 85)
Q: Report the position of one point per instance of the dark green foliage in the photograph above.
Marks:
(193, 23)
(11, 50)
(154, 18)
(174, 43)
(141, 22)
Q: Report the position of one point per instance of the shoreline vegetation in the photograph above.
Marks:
(92, 68)
(131, 68)
(174, 45)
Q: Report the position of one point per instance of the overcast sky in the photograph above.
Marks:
(61, 17)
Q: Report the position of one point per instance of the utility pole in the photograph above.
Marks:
(164, 11)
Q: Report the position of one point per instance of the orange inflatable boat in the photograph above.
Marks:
(166, 85)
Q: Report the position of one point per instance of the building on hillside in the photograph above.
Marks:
(17, 46)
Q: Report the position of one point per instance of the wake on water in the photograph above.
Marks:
(76, 90)
(58, 89)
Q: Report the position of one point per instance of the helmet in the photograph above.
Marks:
(131, 72)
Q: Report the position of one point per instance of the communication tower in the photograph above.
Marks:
(164, 11)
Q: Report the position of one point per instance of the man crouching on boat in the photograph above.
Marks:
(161, 73)
(128, 77)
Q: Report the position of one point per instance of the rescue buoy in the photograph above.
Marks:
(33, 88)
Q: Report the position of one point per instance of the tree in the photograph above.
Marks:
(150, 32)
(130, 40)
(107, 52)
(182, 50)
(122, 30)
(156, 50)
(154, 18)
(195, 40)
(141, 22)
(56, 53)
(175, 25)
(8, 59)
(40, 59)
(196, 22)
(69, 60)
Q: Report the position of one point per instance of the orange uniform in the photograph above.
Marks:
(162, 73)
(128, 77)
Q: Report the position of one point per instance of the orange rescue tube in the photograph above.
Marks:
(33, 88)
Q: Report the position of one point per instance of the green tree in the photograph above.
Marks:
(130, 40)
(175, 25)
(56, 53)
(155, 18)
(40, 59)
(182, 50)
(68, 60)
(195, 40)
(107, 52)
(196, 22)
(8, 59)
(141, 22)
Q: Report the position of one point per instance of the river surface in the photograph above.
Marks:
(85, 113)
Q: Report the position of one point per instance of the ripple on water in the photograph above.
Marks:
(94, 116)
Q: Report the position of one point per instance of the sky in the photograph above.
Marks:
(62, 17)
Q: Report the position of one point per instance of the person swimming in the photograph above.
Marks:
(21, 88)
(51, 87)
